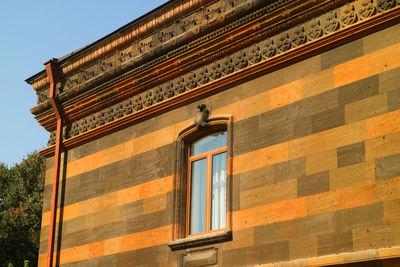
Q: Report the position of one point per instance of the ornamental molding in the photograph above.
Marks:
(327, 41)
(261, 52)
(98, 76)
(177, 24)
(136, 32)
(249, 29)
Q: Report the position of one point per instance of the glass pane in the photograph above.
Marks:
(218, 198)
(208, 143)
(198, 197)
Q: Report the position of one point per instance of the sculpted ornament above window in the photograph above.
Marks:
(201, 119)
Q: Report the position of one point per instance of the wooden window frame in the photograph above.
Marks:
(180, 238)
(207, 155)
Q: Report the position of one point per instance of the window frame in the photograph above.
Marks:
(190, 134)
(208, 155)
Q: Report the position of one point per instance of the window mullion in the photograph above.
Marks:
(208, 194)
(188, 196)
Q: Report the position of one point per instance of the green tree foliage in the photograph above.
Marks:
(21, 193)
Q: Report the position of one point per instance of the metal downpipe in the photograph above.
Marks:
(52, 74)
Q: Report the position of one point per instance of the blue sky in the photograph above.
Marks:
(32, 32)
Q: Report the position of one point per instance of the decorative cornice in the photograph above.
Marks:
(177, 24)
(239, 67)
(249, 29)
(136, 58)
(136, 30)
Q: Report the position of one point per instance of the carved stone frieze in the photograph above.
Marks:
(158, 95)
(240, 60)
(264, 50)
(128, 107)
(269, 48)
(330, 22)
(314, 29)
(137, 103)
(299, 36)
(255, 54)
(366, 9)
(349, 15)
(384, 5)
(227, 66)
(100, 120)
(180, 86)
(191, 81)
(148, 99)
(168, 90)
(203, 77)
(216, 71)
(284, 43)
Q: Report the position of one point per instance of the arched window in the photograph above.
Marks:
(206, 187)
(203, 185)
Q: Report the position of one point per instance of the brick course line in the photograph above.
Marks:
(242, 219)
(121, 197)
(120, 244)
(341, 258)
(330, 139)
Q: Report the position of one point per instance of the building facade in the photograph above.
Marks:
(227, 133)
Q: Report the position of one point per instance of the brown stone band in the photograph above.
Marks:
(120, 197)
(365, 196)
(250, 216)
(384, 254)
(115, 220)
(327, 140)
(346, 198)
(344, 258)
(115, 245)
(240, 148)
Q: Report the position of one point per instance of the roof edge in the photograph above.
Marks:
(105, 38)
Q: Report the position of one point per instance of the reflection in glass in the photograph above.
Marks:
(218, 198)
(208, 143)
(198, 196)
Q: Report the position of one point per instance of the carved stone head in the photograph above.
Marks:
(201, 118)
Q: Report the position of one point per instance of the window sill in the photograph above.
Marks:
(201, 240)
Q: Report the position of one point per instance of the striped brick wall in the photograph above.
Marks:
(316, 169)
